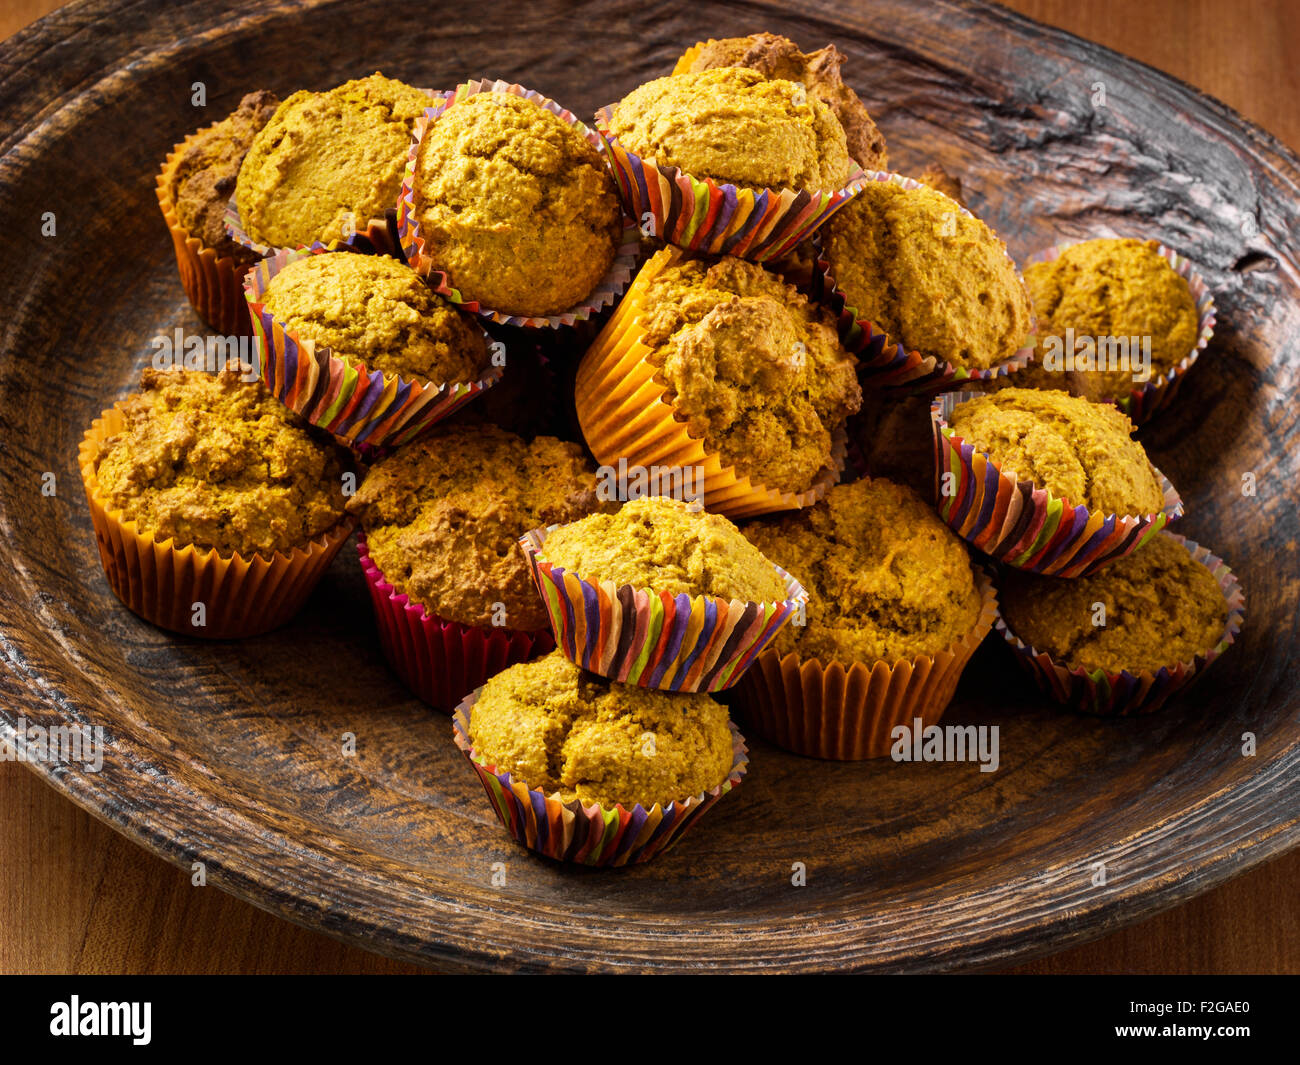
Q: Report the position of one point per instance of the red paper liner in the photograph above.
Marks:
(162, 582)
(589, 835)
(441, 661)
(848, 712)
(1109, 694)
(1025, 526)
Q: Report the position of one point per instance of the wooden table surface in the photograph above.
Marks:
(75, 897)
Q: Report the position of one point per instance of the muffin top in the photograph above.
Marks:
(666, 546)
(935, 279)
(1106, 288)
(515, 206)
(1082, 452)
(377, 312)
(886, 579)
(1161, 607)
(556, 728)
(213, 461)
(443, 515)
(204, 175)
(328, 162)
(735, 125)
(819, 71)
(752, 367)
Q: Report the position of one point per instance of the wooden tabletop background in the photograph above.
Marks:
(75, 897)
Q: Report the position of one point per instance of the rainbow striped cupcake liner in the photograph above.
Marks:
(1125, 694)
(1142, 403)
(887, 364)
(366, 409)
(606, 293)
(1022, 525)
(703, 215)
(589, 835)
(652, 639)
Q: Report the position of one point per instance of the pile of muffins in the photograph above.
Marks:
(770, 320)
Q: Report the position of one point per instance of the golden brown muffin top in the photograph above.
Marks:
(556, 728)
(1082, 452)
(213, 461)
(886, 579)
(752, 367)
(377, 312)
(328, 162)
(937, 178)
(443, 515)
(1119, 288)
(515, 206)
(204, 176)
(934, 278)
(779, 57)
(666, 546)
(1159, 607)
(734, 125)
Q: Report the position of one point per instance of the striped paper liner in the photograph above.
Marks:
(1022, 525)
(1145, 400)
(704, 215)
(589, 835)
(440, 660)
(887, 364)
(610, 287)
(358, 405)
(1123, 694)
(654, 639)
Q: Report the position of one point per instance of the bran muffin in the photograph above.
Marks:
(937, 178)
(328, 162)
(667, 547)
(216, 462)
(559, 729)
(1161, 607)
(377, 312)
(936, 279)
(514, 205)
(735, 125)
(443, 515)
(1080, 451)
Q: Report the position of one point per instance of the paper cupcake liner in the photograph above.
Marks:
(376, 237)
(1022, 525)
(704, 215)
(848, 713)
(1110, 694)
(652, 639)
(688, 57)
(161, 582)
(1154, 395)
(589, 835)
(624, 412)
(887, 364)
(606, 293)
(358, 405)
(441, 661)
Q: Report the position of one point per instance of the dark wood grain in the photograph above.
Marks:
(231, 753)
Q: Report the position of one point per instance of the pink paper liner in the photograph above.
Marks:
(1144, 401)
(441, 661)
(362, 407)
(610, 287)
(653, 639)
(1025, 526)
(589, 835)
(887, 364)
(1111, 694)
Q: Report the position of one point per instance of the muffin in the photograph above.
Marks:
(328, 162)
(779, 58)
(937, 178)
(514, 205)
(891, 437)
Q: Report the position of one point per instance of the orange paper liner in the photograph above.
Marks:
(624, 411)
(162, 582)
(848, 713)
